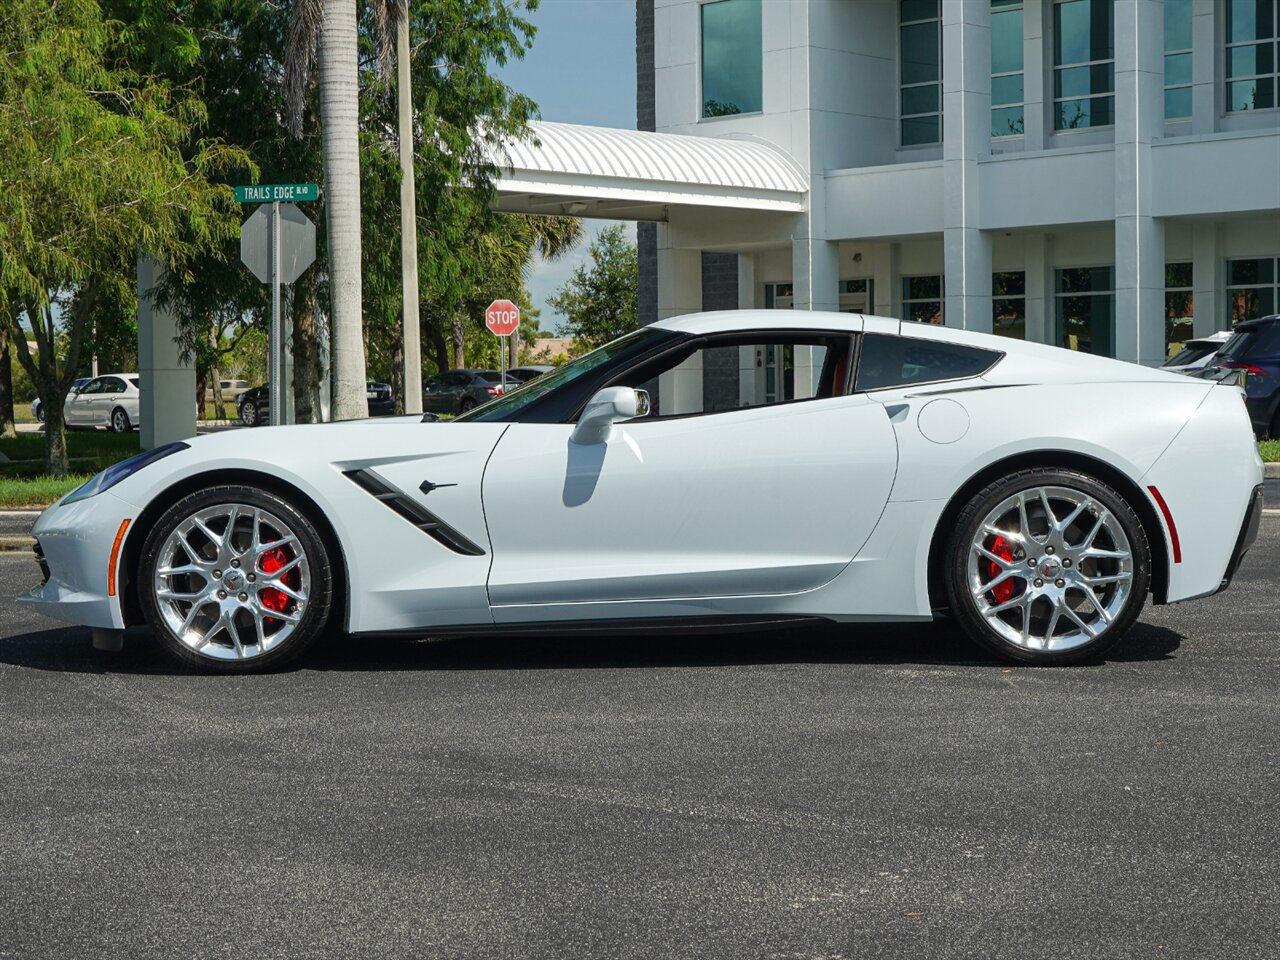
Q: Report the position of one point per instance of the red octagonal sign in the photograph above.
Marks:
(502, 317)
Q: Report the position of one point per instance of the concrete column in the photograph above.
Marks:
(888, 286)
(1036, 102)
(746, 282)
(966, 99)
(1204, 80)
(1207, 276)
(815, 274)
(679, 277)
(1040, 306)
(167, 404)
(1139, 313)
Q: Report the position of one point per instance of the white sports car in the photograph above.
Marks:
(717, 469)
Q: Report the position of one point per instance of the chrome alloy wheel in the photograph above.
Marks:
(1050, 568)
(232, 581)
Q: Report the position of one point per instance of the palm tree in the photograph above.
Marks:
(327, 31)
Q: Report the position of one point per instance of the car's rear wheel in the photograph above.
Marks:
(249, 414)
(120, 421)
(1048, 566)
(235, 579)
(40, 412)
(468, 405)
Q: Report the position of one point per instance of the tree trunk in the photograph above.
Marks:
(55, 440)
(459, 337)
(411, 352)
(339, 107)
(397, 379)
(202, 384)
(8, 430)
(439, 348)
(306, 351)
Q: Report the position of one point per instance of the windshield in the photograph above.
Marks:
(506, 406)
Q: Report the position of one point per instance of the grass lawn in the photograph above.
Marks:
(23, 482)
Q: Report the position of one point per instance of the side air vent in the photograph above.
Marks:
(414, 512)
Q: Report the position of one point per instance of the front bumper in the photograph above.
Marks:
(73, 550)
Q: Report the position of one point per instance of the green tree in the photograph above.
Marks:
(600, 301)
(97, 162)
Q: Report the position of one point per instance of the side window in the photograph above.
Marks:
(889, 361)
(94, 386)
(112, 385)
(733, 372)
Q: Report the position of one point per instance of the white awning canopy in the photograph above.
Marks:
(635, 175)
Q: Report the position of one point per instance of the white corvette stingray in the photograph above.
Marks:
(710, 470)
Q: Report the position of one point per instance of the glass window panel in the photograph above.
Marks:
(887, 361)
(918, 130)
(1251, 304)
(853, 286)
(1006, 41)
(1177, 103)
(732, 58)
(1251, 94)
(1084, 279)
(1177, 24)
(1250, 60)
(920, 99)
(920, 53)
(921, 288)
(928, 311)
(1249, 20)
(1177, 274)
(1177, 68)
(919, 10)
(1006, 90)
(1009, 284)
(1250, 271)
(1082, 31)
(1078, 114)
(1009, 318)
(1102, 78)
(1072, 83)
(1007, 122)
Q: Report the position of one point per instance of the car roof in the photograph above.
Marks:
(1258, 322)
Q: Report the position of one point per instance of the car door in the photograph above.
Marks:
(106, 400)
(79, 408)
(761, 500)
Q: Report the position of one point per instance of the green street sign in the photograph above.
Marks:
(282, 192)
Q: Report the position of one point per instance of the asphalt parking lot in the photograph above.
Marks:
(886, 791)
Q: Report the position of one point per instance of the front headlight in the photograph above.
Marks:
(109, 477)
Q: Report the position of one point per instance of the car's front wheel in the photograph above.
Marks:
(249, 414)
(1047, 566)
(235, 579)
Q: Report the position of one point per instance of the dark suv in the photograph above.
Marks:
(457, 391)
(1255, 349)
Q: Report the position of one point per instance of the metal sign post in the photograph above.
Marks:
(277, 243)
(502, 317)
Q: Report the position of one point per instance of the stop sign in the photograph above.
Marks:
(502, 317)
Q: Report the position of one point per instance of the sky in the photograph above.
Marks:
(582, 69)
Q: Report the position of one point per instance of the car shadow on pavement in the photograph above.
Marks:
(940, 644)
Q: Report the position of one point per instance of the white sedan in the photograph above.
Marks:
(111, 400)
(717, 470)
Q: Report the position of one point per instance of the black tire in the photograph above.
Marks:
(120, 421)
(320, 585)
(468, 405)
(249, 414)
(40, 412)
(961, 594)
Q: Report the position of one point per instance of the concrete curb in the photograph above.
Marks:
(10, 544)
(1271, 471)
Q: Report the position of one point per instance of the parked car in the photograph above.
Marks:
(1255, 348)
(1197, 353)
(232, 390)
(458, 391)
(525, 374)
(255, 404)
(909, 469)
(110, 400)
(37, 406)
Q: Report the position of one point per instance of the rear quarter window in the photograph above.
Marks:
(889, 361)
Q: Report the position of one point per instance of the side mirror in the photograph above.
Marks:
(611, 405)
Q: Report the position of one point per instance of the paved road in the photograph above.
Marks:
(883, 792)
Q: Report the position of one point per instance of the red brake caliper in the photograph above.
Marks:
(272, 598)
(1003, 592)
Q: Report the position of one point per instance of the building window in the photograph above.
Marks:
(920, 71)
(1085, 298)
(1006, 68)
(1179, 307)
(1253, 52)
(1084, 79)
(1009, 304)
(779, 296)
(1253, 288)
(922, 299)
(1177, 59)
(732, 58)
(857, 296)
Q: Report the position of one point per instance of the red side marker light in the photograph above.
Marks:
(115, 556)
(1168, 519)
